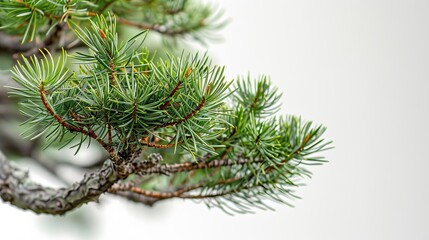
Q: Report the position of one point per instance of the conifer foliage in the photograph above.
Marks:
(172, 127)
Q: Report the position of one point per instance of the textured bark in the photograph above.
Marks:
(17, 188)
(20, 191)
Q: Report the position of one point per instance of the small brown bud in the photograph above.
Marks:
(188, 72)
(102, 34)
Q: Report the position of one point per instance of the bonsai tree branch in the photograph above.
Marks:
(19, 190)
(172, 128)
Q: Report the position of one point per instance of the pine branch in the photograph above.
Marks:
(189, 166)
(17, 188)
(152, 194)
(175, 119)
(137, 198)
(182, 192)
(187, 117)
(157, 28)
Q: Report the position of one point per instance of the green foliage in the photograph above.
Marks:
(31, 17)
(33, 75)
(181, 107)
(37, 18)
(257, 98)
(125, 97)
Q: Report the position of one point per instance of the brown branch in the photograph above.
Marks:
(112, 74)
(297, 151)
(157, 28)
(88, 132)
(152, 141)
(189, 166)
(191, 114)
(134, 197)
(155, 145)
(180, 193)
(16, 188)
(152, 194)
(167, 103)
(72, 128)
(107, 5)
(225, 152)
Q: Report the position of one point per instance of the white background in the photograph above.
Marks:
(360, 68)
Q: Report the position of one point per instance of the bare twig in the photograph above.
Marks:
(189, 166)
(157, 28)
(137, 198)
